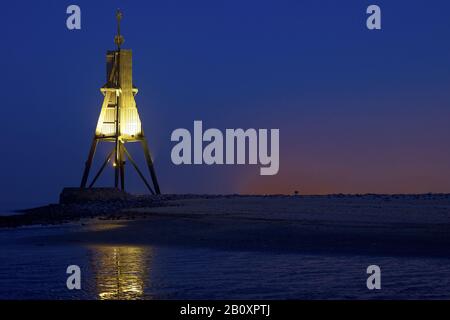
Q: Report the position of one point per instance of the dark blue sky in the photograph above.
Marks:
(358, 110)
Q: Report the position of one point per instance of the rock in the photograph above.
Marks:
(78, 195)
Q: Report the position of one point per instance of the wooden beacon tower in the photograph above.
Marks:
(119, 120)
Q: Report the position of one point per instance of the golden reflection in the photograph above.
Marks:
(120, 272)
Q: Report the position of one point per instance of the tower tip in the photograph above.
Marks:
(119, 14)
(118, 39)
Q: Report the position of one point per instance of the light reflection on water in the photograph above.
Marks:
(37, 270)
(120, 272)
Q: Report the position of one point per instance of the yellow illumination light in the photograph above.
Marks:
(130, 127)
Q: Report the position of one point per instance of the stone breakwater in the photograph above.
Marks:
(113, 204)
(102, 203)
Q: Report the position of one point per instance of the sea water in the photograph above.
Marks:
(37, 270)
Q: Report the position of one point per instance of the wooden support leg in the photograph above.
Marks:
(108, 158)
(88, 163)
(116, 165)
(130, 158)
(151, 168)
(122, 165)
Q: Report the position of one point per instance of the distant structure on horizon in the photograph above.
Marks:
(119, 120)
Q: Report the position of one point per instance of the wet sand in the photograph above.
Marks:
(371, 225)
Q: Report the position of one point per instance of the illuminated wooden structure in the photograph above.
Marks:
(119, 120)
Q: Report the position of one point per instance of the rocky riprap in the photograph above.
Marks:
(102, 203)
(107, 203)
